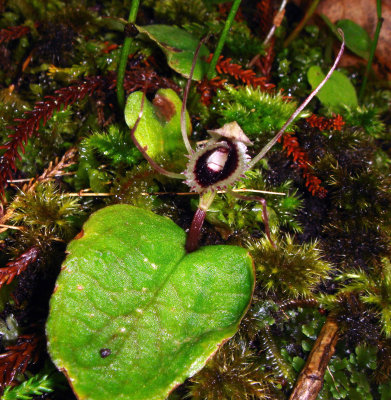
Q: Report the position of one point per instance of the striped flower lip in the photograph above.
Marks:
(218, 165)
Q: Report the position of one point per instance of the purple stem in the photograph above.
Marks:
(193, 237)
(265, 215)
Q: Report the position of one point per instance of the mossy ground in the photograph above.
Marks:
(333, 241)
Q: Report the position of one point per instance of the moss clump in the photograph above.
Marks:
(289, 269)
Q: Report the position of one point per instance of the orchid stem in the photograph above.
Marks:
(222, 39)
(124, 56)
(194, 235)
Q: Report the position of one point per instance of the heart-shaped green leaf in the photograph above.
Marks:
(179, 47)
(337, 93)
(133, 315)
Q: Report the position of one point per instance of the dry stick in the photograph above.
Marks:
(311, 377)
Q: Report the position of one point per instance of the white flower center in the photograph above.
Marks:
(217, 159)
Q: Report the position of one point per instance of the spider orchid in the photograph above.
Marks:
(223, 160)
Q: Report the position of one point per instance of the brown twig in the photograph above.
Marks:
(311, 377)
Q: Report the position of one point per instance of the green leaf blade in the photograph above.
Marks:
(159, 128)
(161, 318)
(357, 39)
(337, 93)
(179, 47)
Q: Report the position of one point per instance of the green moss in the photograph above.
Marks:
(259, 114)
(230, 214)
(45, 213)
(232, 373)
(289, 269)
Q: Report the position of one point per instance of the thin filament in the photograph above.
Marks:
(300, 109)
(185, 95)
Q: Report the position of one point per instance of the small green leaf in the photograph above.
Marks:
(356, 37)
(306, 345)
(98, 180)
(298, 363)
(179, 47)
(337, 92)
(309, 330)
(133, 315)
(366, 356)
(159, 128)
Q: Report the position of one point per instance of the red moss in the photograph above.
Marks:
(135, 79)
(18, 356)
(207, 88)
(13, 32)
(326, 124)
(17, 266)
(264, 16)
(300, 157)
(247, 76)
(28, 126)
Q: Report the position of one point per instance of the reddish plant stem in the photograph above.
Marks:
(193, 237)
(265, 215)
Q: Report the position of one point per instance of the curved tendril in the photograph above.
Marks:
(143, 150)
(302, 106)
(186, 94)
